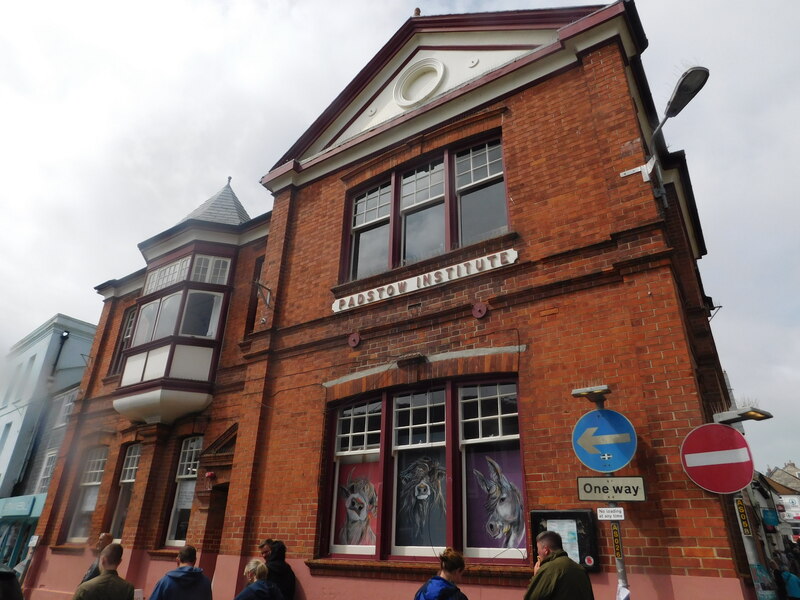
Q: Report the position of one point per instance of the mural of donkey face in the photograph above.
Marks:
(360, 503)
(504, 516)
(420, 490)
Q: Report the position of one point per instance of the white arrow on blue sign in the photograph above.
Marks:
(604, 440)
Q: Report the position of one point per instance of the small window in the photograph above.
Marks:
(211, 269)
(67, 401)
(47, 472)
(126, 480)
(167, 275)
(157, 319)
(89, 486)
(124, 340)
(185, 478)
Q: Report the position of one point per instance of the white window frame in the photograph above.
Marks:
(46, 474)
(67, 400)
(127, 478)
(353, 447)
(185, 480)
(399, 446)
(94, 467)
(165, 276)
(211, 269)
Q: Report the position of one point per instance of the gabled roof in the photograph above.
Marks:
(437, 68)
(223, 207)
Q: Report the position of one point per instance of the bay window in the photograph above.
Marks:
(185, 480)
(192, 311)
(456, 199)
(452, 451)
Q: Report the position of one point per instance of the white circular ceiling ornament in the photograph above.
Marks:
(418, 82)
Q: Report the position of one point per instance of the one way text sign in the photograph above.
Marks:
(611, 489)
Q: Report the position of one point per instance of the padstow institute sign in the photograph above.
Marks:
(426, 280)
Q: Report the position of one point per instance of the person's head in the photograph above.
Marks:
(452, 564)
(277, 551)
(103, 540)
(265, 548)
(255, 570)
(187, 556)
(110, 557)
(547, 542)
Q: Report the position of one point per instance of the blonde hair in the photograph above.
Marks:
(451, 560)
(257, 568)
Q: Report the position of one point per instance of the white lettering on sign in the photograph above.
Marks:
(615, 513)
(719, 457)
(430, 279)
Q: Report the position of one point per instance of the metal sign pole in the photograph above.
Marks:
(623, 591)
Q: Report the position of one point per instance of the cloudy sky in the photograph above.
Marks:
(118, 119)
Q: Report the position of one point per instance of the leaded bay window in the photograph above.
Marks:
(456, 199)
(177, 331)
(463, 433)
(94, 466)
(185, 480)
(127, 478)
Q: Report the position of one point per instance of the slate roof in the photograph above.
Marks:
(223, 207)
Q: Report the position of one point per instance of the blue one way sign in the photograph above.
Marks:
(604, 440)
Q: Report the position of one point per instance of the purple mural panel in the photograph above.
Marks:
(357, 517)
(495, 508)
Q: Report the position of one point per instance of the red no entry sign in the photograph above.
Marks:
(717, 458)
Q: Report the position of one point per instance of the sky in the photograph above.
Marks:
(119, 119)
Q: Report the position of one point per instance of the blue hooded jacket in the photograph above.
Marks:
(260, 590)
(438, 588)
(183, 583)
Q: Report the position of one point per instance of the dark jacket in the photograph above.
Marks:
(9, 586)
(280, 573)
(260, 590)
(560, 578)
(438, 588)
(106, 586)
(93, 570)
(183, 583)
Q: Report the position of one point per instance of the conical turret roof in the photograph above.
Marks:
(222, 207)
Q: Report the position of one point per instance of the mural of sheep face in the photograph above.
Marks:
(504, 515)
(420, 492)
(361, 505)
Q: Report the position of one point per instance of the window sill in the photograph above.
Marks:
(69, 548)
(430, 264)
(502, 575)
(169, 554)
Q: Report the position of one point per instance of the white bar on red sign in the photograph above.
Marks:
(720, 457)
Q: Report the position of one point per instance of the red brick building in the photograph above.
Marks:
(451, 252)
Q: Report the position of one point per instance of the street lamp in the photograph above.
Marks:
(688, 86)
(748, 413)
(596, 394)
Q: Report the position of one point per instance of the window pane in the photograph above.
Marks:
(483, 213)
(356, 517)
(182, 510)
(421, 498)
(371, 251)
(423, 234)
(372, 205)
(201, 315)
(147, 321)
(422, 184)
(495, 514)
(167, 316)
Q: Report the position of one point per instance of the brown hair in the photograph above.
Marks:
(451, 560)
